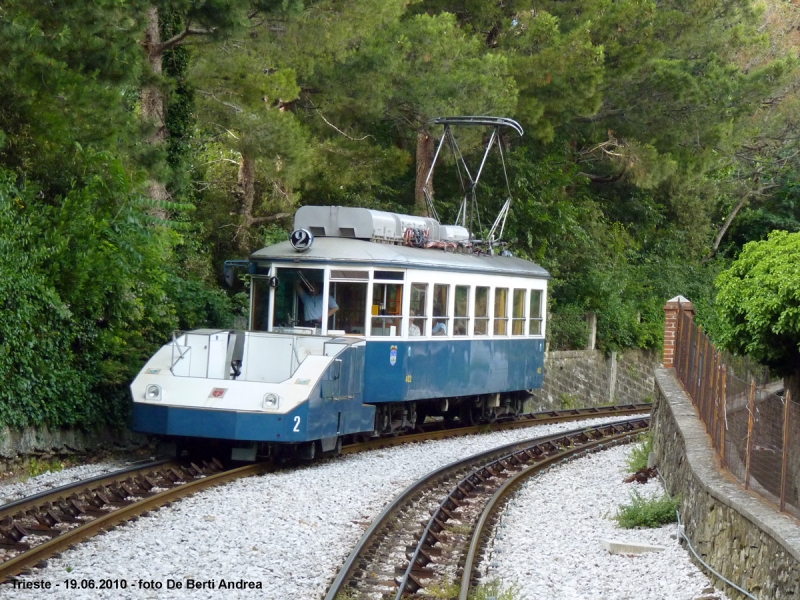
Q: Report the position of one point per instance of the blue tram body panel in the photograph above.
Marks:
(221, 424)
(427, 369)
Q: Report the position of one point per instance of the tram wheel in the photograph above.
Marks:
(469, 415)
(421, 415)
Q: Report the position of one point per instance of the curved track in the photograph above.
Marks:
(439, 430)
(37, 527)
(397, 556)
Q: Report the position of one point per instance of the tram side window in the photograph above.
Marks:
(518, 313)
(351, 297)
(481, 311)
(387, 307)
(260, 317)
(535, 316)
(501, 311)
(440, 317)
(461, 321)
(418, 323)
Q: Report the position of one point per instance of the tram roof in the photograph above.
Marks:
(354, 252)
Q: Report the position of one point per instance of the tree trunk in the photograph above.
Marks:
(425, 151)
(246, 193)
(791, 383)
(154, 104)
(724, 229)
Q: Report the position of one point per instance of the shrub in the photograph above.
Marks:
(640, 453)
(647, 512)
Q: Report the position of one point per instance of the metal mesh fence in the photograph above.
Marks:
(751, 429)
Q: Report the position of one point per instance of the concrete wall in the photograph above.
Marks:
(582, 378)
(739, 535)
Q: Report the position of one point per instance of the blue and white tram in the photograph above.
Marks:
(409, 332)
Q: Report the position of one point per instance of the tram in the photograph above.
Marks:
(364, 323)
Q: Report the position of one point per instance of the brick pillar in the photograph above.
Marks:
(671, 312)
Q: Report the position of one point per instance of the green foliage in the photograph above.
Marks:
(85, 298)
(642, 512)
(495, 590)
(63, 71)
(567, 401)
(759, 303)
(567, 328)
(38, 467)
(640, 454)
(647, 124)
(444, 590)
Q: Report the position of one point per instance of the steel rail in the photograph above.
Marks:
(77, 487)
(566, 450)
(510, 485)
(385, 516)
(527, 420)
(67, 539)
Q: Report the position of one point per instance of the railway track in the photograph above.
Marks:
(433, 533)
(37, 527)
(40, 526)
(436, 431)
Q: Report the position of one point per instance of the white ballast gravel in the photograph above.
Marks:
(288, 531)
(14, 489)
(549, 543)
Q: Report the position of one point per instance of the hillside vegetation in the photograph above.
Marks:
(143, 143)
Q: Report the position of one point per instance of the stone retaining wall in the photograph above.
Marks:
(580, 378)
(18, 446)
(737, 533)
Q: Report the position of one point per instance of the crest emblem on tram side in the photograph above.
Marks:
(393, 355)
(218, 392)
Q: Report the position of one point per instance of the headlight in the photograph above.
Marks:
(153, 392)
(271, 400)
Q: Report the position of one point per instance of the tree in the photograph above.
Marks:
(759, 305)
(406, 73)
(64, 68)
(242, 104)
(184, 21)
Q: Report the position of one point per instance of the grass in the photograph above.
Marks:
(637, 459)
(462, 528)
(444, 591)
(647, 512)
(38, 467)
(494, 590)
(348, 594)
(568, 401)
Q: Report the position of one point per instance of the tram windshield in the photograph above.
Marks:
(298, 298)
